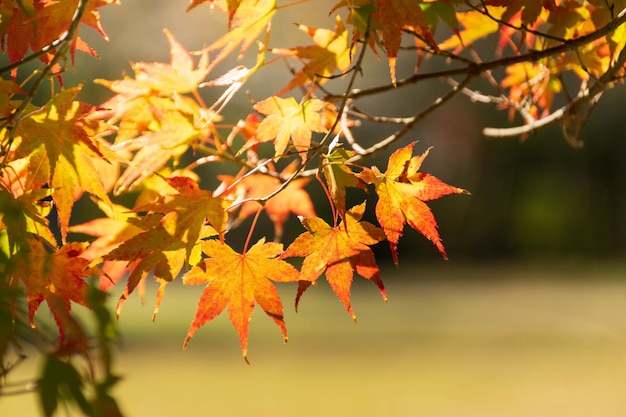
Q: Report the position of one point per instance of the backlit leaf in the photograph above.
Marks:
(239, 281)
(63, 154)
(247, 20)
(286, 119)
(338, 252)
(331, 52)
(293, 199)
(56, 277)
(402, 191)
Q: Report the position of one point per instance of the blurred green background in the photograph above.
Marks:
(528, 318)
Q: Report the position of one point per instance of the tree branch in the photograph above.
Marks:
(583, 98)
(478, 68)
(409, 123)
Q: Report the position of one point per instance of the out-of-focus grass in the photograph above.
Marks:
(499, 341)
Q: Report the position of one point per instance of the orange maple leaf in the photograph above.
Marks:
(239, 281)
(56, 278)
(293, 199)
(388, 19)
(110, 232)
(231, 6)
(338, 252)
(288, 119)
(330, 52)
(402, 191)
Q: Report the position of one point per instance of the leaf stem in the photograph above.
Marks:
(252, 227)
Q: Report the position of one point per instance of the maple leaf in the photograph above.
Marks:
(36, 24)
(388, 19)
(231, 7)
(247, 20)
(476, 25)
(402, 191)
(57, 278)
(530, 9)
(167, 140)
(110, 232)
(152, 131)
(293, 199)
(189, 208)
(338, 252)
(239, 281)
(330, 52)
(172, 231)
(527, 79)
(338, 177)
(288, 119)
(176, 77)
(62, 156)
(24, 215)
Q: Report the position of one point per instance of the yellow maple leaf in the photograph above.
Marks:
(286, 119)
(247, 20)
(331, 52)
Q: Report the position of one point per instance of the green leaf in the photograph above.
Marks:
(60, 381)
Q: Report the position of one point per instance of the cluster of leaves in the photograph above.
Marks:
(151, 137)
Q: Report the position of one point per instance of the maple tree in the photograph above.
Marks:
(149, 139)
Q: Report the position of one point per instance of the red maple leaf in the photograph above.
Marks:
(36, 24)
(55, 277)
(402, 191)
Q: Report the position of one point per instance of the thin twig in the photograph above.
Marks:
(410, 123)
(522, 28)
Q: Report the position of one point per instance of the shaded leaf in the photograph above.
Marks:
(60, 382)
(338, 176)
